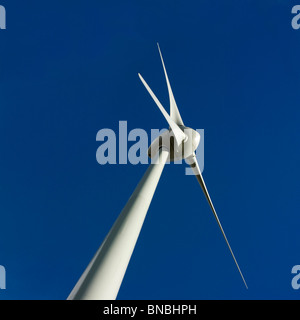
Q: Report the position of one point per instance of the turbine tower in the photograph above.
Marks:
(103, 276)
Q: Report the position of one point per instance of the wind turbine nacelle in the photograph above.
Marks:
(167, 140)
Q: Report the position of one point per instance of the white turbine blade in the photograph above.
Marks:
(178, 133)
(174, 112)
(194, 165)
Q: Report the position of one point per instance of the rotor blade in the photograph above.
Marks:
(195, 167)
(174, 112)
(178, 133)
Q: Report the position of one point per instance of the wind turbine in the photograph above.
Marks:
(103, 276)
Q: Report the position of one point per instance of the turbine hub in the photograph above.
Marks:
(167, 140)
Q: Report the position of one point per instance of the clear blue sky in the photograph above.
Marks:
(69, 69)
